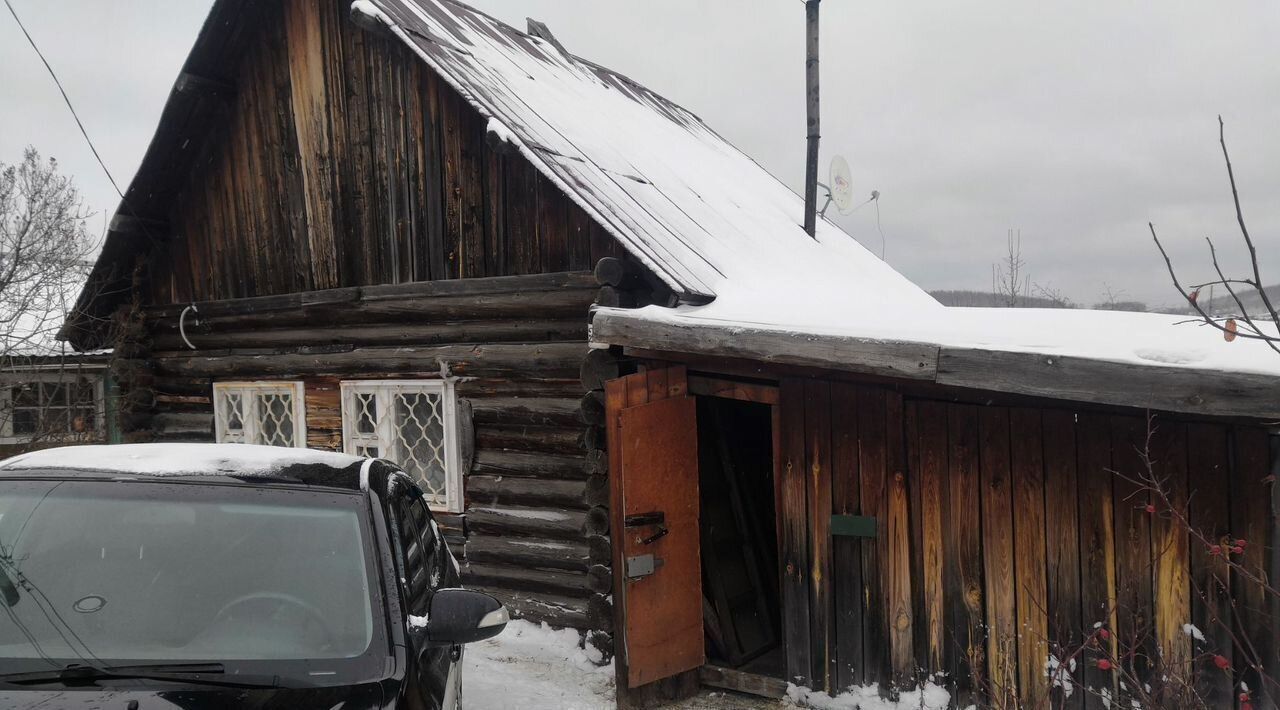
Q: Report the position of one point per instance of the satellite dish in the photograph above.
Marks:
(841, 185)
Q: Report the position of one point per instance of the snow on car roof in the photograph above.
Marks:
(178, 459)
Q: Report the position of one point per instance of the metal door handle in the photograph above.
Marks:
(662, 531)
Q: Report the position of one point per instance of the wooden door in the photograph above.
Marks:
(653, 450)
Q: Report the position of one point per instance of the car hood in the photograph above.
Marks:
(367, 696)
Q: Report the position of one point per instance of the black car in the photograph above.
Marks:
(226, 576)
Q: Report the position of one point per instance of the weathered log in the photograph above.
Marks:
(534, 305)
(546, 523)
(528, 465)
(538, 411)
(445, 288)
(519, 387)
(600, 579)
(535, 359)
(596, 491)
(610, 297)
(596, 462)
(592, 408)
(555, 610)
(600, 613)
(547, 554)
(513, 490)
(497, 331)
(596, 521)
(599, 549)
(562, 582)
(599, 366)
(593, 438)
(180, 423)
(551, 440)
(191, 386)
(619, 273)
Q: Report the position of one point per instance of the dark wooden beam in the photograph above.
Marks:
(128, 224)
(192, 83)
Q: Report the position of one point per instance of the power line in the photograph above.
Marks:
(65, 98)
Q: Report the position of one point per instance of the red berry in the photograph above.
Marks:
(1244, 697)
(1241, 542)
(1215, 549)
(1151, 508)
(1221, 662)
(1104, 634)
(1237, 550)
(1104, 664)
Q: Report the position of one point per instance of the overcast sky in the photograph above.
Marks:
(1075, 123)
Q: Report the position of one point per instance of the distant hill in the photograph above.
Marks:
(986, 299)
(1221, 303)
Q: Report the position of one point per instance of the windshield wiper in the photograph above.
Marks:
(193, 673)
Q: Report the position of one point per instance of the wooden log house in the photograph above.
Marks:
(586, 322)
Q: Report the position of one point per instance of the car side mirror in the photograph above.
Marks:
(461, 616)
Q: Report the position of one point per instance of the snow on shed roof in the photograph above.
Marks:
(697, 211)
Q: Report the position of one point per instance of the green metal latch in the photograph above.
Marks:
(853, 526)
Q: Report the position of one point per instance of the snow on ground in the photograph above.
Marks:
(534, 667)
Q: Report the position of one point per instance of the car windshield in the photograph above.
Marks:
(113, 572)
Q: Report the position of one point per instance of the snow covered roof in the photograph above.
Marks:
(698, 212)
(1146, 360)
(179, 459)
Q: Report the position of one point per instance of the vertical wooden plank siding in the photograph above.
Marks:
(1170, 550)
(342, 160)
(1250, 498)
(965, 648)
(818, 455)
(933, 482)
(1134, 569)
(1062, 549)
(846, 572)
(898, 545)
(1208, 490)
(793, 545)
(997, 554)
(919, 629)
(1097, 545)
(310, 101)
(1026, 459)
(872, 467)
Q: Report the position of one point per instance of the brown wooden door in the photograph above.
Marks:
(653, 445)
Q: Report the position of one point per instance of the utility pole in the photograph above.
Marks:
(811, 112)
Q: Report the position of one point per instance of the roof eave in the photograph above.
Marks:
(1067, 378)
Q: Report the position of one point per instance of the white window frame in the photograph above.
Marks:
(249, 391)
(384, 429)
(20, 377)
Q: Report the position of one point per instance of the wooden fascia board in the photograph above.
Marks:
(911, 361)
(1160, 388)
(1171, 389)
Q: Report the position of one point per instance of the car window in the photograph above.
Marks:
(419, 547)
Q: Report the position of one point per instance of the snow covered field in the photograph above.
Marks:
(537, 668)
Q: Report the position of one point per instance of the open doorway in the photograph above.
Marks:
(740, 583)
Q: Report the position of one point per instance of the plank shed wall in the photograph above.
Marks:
(1007, 534)
(347, 218)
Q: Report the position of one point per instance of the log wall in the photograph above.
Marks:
(1007, 534)
(518, 343)
(340, 159)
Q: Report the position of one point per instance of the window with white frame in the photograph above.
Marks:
(52, 406)
(412, 423)
(269, 413)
